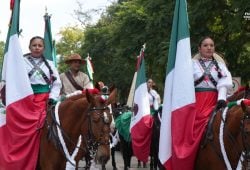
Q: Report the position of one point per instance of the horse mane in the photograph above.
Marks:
(74, 98)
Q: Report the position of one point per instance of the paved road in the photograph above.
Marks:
(120, 165)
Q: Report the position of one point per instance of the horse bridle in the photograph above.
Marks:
(92, 143)
(245, 130)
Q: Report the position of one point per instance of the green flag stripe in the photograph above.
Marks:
(13, 28)
(178, 32)
(141, 76)
(48, 52)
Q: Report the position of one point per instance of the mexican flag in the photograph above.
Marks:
(141, 120)
(176, 135)
(49, 51)
(19, 142)
(90, 70)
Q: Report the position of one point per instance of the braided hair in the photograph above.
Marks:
(43, 58)
(215, 61)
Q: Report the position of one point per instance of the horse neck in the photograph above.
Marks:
(233, 135)
(74, 117)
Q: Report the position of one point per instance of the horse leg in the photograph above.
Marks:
(126, 161)
(87, 162)
(103, 167)
(151, 162)
(138, 163)
(113, 158)
(155, 161)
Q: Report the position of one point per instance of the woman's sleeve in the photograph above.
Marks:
(225, 83)
(56, 85)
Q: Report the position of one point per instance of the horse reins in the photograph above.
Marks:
(245, 131)
(91, 144)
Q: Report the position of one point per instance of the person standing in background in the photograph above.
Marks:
(154, 97)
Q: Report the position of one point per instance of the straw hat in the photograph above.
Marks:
(73, 57)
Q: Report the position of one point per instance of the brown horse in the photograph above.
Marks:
(82, 131)
(230, 146)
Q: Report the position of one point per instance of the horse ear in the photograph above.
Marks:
(112, 97)
(247, 87)
(111, 88)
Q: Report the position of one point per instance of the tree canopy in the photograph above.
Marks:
(114, 42)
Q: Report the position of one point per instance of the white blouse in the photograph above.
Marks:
(224, 83)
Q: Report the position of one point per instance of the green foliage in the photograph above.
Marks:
(116, 39)
(223, 20)
(115, 42)
(71, 42)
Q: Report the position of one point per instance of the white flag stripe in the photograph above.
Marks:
(176, 95)
(182, 65)
(142, 100)
(22, 87)
(165, 143)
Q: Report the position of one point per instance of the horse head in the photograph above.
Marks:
(100, 119)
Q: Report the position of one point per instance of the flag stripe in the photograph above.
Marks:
(48, 52)
(179, 94)
(22, 88)
(179, 30)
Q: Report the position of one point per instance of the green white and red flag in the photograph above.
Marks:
(141, 120)
(90, 70)
(19, 138)
(49, 52)
(176, 137)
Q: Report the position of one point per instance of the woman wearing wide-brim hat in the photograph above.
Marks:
(74, 79)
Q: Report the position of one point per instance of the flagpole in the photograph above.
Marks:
(130, 101)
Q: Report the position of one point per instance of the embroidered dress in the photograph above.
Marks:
(39, 85)
(207, 95)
